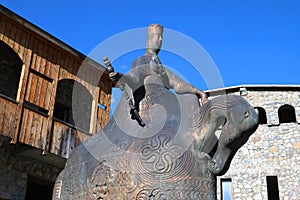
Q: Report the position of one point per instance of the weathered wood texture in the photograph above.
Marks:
(30, 117)
(8, 120)
(103, 115)
(33, 129)
(39, 91)
(65, 138)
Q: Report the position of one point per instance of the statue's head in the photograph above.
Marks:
(154, 40)
(241, 121)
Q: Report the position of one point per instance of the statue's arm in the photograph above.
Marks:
(182, 87)
(121, 79)
(134, 78)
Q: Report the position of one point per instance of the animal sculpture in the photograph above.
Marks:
(176, 155)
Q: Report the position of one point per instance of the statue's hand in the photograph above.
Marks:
(155, 68)
(204, 98)
(114, 76)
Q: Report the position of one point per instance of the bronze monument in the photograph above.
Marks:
(158, 145)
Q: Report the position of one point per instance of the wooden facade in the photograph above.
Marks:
(52, 97)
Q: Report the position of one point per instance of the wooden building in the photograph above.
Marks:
(52, 97)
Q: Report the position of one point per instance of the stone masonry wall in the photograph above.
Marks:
(15, 170)
(273, 150)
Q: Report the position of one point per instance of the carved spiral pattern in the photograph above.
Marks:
(161, 159)
(161, 153)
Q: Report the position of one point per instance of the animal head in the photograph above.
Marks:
(241, 121)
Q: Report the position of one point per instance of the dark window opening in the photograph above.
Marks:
(286, 114)
(226, 189)
(261, 115)
(272, 187)
(10, 71)
(39, 189)
(73, 104)
(63, 113)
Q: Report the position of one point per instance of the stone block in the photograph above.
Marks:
(273, 149)
(296, 145)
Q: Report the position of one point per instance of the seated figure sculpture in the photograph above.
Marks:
(163, 145)
(148, 77)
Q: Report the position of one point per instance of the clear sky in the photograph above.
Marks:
(249, 41)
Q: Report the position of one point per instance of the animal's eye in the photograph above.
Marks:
(229, 140)
(247, 113)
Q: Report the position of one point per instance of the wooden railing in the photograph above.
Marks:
(65, 138)
(8, 119)
(37, 129)
(34, 129)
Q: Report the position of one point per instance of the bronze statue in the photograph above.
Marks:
(148, 76)
(158, 145)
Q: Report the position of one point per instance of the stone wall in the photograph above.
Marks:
(16, 170)
(273, 150)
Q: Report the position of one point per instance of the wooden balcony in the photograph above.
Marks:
(39, 77)
(65, 138)
(37, 129)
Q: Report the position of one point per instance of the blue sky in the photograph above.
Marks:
(249, 42)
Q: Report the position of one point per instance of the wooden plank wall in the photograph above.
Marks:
(44, 64)
(103, 115)
(18, 39)
(40, 90)
(34, 129)
(72, 68)
(8, 122)
(66, 138)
